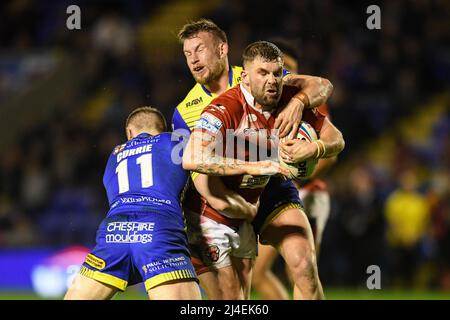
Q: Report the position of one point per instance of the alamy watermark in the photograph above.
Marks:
(73, 21)
(246, 145)
(374, 20)
(374, 279)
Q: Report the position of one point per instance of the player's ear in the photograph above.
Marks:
(223, 49)
(129, 133)
(245, 77)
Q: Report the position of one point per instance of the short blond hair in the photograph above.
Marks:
(147, 117)
(192, 28)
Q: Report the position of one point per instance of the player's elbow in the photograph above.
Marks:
(188, 166)
(328, 86)
(217, 204)
(336, 141)
(341, 142)
(188, 162)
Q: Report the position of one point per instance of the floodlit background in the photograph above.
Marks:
(64, 96)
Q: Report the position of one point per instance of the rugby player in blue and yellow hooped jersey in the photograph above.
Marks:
(143, 237)
(205, 47)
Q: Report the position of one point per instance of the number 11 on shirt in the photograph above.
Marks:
(145, 163)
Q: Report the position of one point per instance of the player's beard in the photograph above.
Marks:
(266, 101)
(211, 75)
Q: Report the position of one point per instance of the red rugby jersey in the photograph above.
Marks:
(233, 116)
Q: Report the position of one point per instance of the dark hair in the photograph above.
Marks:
(288, 47)
(264, 49)
(192, 28)
(152, 118)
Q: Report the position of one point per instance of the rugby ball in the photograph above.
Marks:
(304, 169)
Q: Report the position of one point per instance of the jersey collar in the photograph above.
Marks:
(143, 135)
(248, 97)
(230, 82)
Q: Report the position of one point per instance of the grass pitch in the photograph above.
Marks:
(331, 294)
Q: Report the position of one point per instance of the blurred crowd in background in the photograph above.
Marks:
(65, 95)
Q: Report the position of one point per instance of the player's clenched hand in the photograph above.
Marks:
(288, 120)
(296, 150)
(236, 207)
(266, 168)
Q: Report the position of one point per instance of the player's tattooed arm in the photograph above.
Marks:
(213, 166)
(202, 155)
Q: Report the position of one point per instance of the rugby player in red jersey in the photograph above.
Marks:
(250, 109)
(313, 193)
(205, 47)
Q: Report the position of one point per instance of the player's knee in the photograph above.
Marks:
(304, 269)
(303, 264)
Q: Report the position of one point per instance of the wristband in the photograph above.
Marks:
(303, 98)
(323, 149)
(317, 154)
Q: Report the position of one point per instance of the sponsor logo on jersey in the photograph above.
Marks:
(137, 200)
(253, 131)
(254, 182)
(269, 134)
(119, 148)
(130, 226)
(129, 232)
(194, 102)
(209, 123)
(95, 262)
(212, 253)
(171, 263)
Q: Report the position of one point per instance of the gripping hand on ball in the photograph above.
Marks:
(297, 150)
